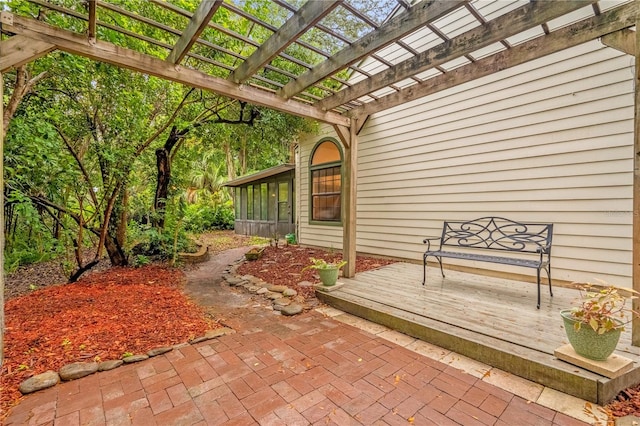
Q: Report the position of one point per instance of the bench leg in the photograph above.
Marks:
(424, 267)
(549, 277)
(440, 262)
(538, 288)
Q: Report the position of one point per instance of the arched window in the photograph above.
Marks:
(326, 182)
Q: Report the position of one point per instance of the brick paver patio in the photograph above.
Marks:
(302, 370)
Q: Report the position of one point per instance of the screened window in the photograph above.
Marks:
(237, 203)
(250, 202)
(256, 202)
(272, 201)
(283, 201)
(326, 183)
(264, 199)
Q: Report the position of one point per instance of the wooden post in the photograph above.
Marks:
(350, 201)
(635, 326)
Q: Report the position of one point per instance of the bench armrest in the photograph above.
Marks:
(428, 240)
(544, 250)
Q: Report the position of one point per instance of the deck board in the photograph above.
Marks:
(493, 318)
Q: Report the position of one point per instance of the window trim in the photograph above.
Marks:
(312, 168)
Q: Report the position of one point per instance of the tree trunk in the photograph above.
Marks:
(231, 167)
(162, 187)
(121, 233)
(22, 87)
(243, 156)
(115, 252)
(163, 166)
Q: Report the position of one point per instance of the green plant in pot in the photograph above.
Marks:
(327, 271)
(594, 325)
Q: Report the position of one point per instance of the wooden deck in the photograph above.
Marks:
(492, 320)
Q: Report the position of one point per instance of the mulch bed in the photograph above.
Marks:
(284, 266)
(99, 318)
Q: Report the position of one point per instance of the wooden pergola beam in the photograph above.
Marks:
(507, 25)
(91, 30)
(19, 50)
(197, 24)
(306, 17)
(623, 40)
(396, 28)
(106, 52)
(564, 38)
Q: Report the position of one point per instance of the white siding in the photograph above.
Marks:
(549, 141)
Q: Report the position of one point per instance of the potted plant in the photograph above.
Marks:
(254, 254)
(594, 325)
(327, 271)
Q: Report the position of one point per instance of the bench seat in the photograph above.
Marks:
(526, 263)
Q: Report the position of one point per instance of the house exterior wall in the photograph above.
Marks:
(550, 141)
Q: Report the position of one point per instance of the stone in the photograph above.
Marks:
(212, 334)
(277, 288)
(77, 370)
(247, 277)
(292, 309)
(305, 284)
(273, 296)
(253, 289)
(290, 292)
(159, 351)
(198, 339)
(110, 365)
(233, 281)
(283, 301)
(135, 358)
(39, 381)
(262, 290)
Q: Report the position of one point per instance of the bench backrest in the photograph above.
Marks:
(497, 233)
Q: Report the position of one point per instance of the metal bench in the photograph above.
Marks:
(497, 234)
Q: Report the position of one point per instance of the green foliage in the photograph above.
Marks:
(159, 244)
(603, 308)
(89, 130)
(141, 260)
(323, 264)
(202, 217)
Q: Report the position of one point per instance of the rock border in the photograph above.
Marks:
(77, 370)
(283, 299)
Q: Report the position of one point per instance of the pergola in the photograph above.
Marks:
(405, 56)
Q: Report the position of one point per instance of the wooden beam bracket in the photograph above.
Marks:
(623, 40)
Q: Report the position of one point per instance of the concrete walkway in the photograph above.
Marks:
(314, 368)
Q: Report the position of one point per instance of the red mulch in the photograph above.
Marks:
(627, 403)
(98, 318)
(284, 265)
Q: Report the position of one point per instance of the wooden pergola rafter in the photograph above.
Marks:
(278, 64)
